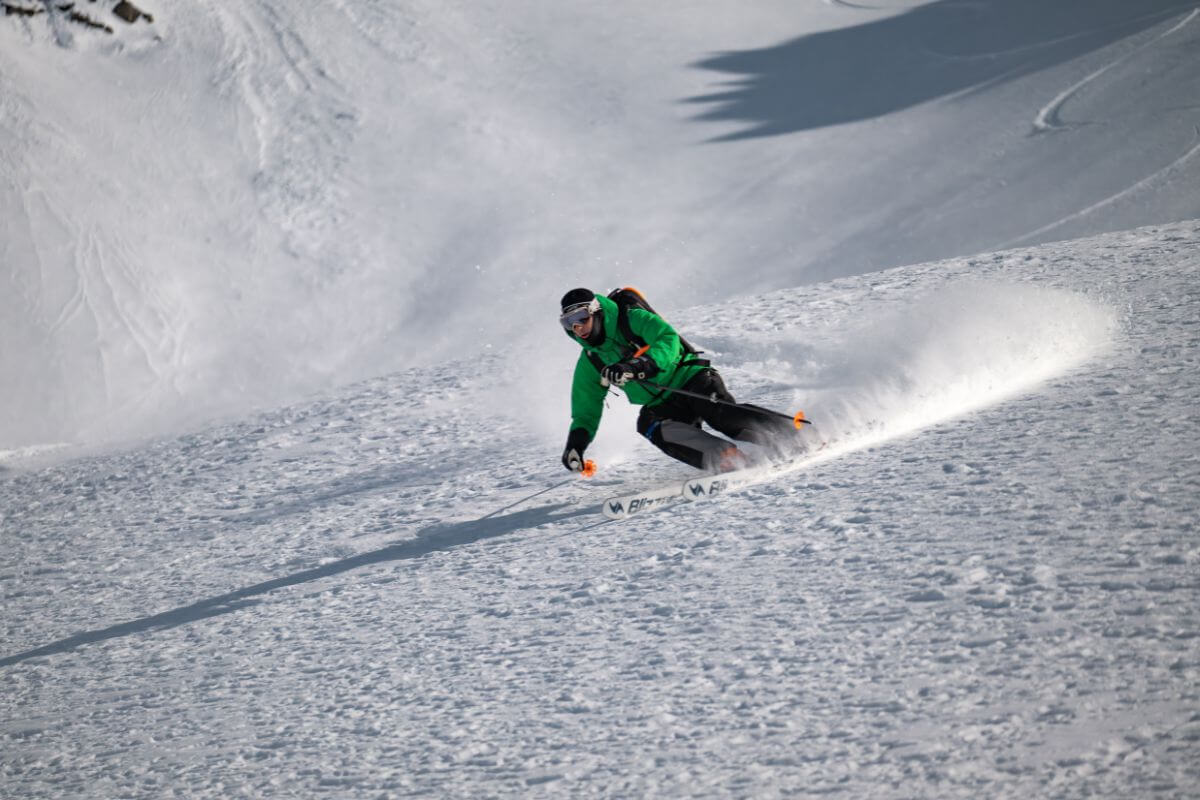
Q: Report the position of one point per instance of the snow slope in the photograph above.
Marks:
(987, 587)
(234, 205)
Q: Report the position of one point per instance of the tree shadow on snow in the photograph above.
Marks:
(430, 540)
(938, 50)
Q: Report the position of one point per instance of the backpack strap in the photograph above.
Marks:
(625, 328)
(595, 359)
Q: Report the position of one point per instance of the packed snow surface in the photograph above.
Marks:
(985, 585)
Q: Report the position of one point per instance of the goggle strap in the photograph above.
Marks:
(592, 307)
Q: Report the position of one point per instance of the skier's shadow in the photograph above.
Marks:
(430, 540)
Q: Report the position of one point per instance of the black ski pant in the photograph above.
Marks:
(674, 426)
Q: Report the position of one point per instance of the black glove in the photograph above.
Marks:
(623, 372)
(577, 441)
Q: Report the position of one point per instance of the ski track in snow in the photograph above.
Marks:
(1127, 192)
(362, 595)
(1048, 120)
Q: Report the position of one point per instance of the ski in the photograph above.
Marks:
(693, 490)
(627, 505)
(707, 486)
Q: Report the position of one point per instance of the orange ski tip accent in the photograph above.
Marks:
(641, 350)
(635, 291)
(799, 420)
(589, 469)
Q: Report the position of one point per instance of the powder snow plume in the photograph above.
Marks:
(937, 356)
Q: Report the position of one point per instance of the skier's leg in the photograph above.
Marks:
(685, 441)
(744, 422)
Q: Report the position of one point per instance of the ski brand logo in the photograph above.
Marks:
(640, 503)
(625, 506)
(702, 488)
(628, 506)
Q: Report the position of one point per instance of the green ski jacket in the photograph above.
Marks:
(587, 395)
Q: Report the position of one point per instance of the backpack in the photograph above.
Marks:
(627, 298)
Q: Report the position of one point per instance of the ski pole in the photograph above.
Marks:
(798, 419)
(588, 470)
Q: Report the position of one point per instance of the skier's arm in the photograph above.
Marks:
(587, 398)
(665, 348)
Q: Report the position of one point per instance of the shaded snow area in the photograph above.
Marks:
(985, 585)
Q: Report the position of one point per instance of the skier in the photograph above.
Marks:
(670, 420)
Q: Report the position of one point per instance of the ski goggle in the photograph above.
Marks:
(578, 313)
